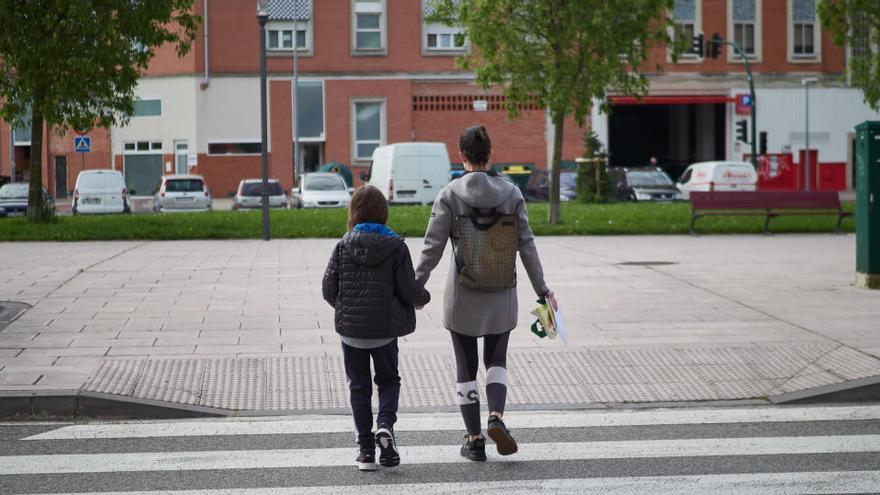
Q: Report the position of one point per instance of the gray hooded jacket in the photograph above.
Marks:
(467, 311)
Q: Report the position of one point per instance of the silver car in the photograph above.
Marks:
(321, 190)
(248, 194)
(182, 193)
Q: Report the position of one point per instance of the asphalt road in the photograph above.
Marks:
(738, 450)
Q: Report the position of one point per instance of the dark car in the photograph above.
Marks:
(14, 199)
(538, 187)
(643, 184)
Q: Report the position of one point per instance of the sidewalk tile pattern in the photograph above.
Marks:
(242, 324)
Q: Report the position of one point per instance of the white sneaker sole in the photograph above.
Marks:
(367, 466)
(387, 449)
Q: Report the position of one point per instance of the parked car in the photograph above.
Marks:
(321, 190)
(182, 193)
(249, 194)
(14, 199)
(717, 176)
(643, 184)
(409, 172)
(538, 187)
(100, 191)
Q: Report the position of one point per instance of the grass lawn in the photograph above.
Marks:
(577, 219)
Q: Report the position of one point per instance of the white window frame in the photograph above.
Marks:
(688, 57)
(153, 146)
(812, 58)
(732, 57)
(233, 140)
(438, 28)
(383, 135)
(301, 25)
(323, 137)
(379, 8)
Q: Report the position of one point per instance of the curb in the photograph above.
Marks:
(860, 390)
(71, 404)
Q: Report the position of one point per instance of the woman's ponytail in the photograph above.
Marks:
(475, 145)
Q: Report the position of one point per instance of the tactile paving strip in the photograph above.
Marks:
(537, 377)
(172, 380)
(117, 377)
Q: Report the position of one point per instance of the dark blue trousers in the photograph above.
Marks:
(357, 369)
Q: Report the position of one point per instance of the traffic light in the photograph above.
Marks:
(762, 143)
(698, 41)
(714, 45)
(742, 131)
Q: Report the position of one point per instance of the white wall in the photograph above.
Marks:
(834, 113)
(229, 110)
(178, 119)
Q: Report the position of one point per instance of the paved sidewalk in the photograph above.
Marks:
(241, 324)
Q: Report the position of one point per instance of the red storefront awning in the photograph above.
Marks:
(671, 100)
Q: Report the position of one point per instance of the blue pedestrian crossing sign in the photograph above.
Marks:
(82, 144)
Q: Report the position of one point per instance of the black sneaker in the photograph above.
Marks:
(388, 454)
(474, 450)
(366, 461)
(501, 436)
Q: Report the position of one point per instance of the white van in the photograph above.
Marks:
(100, 191)
(409, 172)
(717, 176)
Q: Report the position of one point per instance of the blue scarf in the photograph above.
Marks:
(374, 228)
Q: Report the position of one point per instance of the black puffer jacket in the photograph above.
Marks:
(371, 283)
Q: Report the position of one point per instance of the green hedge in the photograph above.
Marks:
(577, 219)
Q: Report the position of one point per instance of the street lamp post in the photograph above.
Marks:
(806, 82)
(297, 173)
(262, 17)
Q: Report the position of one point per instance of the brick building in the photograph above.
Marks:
(373, 72)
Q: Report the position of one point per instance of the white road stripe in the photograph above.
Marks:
(716, 484)
(452, 421)
(432, 454)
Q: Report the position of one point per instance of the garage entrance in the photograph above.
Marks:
(677, 134)
(142, 164)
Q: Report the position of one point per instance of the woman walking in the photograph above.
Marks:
(485, 217)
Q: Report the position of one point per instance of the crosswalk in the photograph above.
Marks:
(719, 450)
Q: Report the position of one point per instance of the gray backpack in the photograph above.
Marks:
(485, 243)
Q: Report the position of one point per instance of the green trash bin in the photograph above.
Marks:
(519, 173)
(867, 208)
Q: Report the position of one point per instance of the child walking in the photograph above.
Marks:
(371, 284)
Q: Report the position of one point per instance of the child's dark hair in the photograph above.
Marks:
(474, 143)
(368, 205)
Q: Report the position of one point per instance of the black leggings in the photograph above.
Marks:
(467, 363)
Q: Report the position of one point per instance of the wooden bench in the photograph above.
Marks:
(767, 203)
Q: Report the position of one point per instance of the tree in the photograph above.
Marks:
(857, 23)
(562, 55)
(594, 184)
(75, 64)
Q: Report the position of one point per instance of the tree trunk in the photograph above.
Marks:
(553, 213)
(36, 202)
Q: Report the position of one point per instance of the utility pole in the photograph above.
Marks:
(262, 17)
(808, 171)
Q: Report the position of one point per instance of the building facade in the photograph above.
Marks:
(692, 111)
(373, 72)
